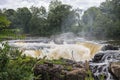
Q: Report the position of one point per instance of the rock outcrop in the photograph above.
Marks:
(102, 61)
(104, 66)
(115, 69)
(60, 70)
(109, 47)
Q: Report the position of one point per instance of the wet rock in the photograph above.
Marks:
(98, 57)
(100, 65)
(58, 41)
(60, 70)
(47, 72)
(76, 74)
(115, 69)
(109, 55)
(109, 47)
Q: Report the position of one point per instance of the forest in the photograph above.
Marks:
(102, 21)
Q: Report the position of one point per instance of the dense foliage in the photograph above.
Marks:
(6, 32)
(102, 21)
(20, 67)
(38, 21)
(13, 65)
(4, 23)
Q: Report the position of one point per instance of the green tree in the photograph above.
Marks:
(3, 21)
(89, 19)
(4, 29)
(38, 22)
(57, 15)
(112, 9)
(14, 66)
(116, 8)
(103, 21)
(24, 15)
(11, 16)
(54, 4)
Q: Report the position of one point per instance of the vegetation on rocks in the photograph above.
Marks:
(14, 66)
(62, 69)
(17, 67)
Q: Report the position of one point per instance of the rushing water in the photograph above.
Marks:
(73, 48)
(77, 50)
(101, 66)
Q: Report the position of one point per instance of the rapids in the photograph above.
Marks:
(75, 50)
(101, 61)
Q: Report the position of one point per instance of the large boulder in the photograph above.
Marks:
(115, 69)
(59, 70)
(109, 56)
(98, 57)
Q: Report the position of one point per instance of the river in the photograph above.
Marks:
(77, 49)
(71, 47)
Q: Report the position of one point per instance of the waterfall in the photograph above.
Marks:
(78, 50)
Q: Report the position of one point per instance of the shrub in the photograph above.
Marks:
(13, 65)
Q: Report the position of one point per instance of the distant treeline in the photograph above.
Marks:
(39, 21)
(102, 21)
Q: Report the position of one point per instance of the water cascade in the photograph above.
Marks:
(101, 63)
(74, 49)
(78, 51)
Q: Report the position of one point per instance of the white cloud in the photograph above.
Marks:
(83, 4)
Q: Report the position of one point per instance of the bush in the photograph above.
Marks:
(13, 65)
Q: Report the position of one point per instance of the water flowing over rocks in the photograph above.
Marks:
(101, 62)
(102, 58)
(71, 49)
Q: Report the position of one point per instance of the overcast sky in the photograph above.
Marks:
(83, 4)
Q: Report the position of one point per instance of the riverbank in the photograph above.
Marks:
(104, 66)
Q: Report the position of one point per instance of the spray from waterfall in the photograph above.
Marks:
(73, 48)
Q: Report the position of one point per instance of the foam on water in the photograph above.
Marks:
(101, 67)
(78, 51)
(75, 49)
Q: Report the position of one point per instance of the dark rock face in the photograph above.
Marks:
(109, 56)
(106, 63)
(106, 52)
(115, 69)
(69, 70)
(101, 63)
(98, 57)
(76, 74)
(109, 47)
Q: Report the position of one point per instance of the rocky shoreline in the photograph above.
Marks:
(62, 69)
(104, 66)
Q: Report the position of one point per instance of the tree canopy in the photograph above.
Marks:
(103, 20)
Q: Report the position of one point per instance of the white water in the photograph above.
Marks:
(78, 51)
(75, 49)
(102, 67)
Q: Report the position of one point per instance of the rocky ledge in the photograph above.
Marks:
(115, 69)
(62, 69)
(104, 66)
